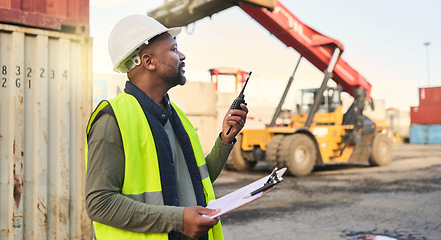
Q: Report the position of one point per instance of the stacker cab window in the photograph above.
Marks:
(330, 101)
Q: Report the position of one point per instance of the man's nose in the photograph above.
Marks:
(181, 56)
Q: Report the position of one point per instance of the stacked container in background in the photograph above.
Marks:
(45, 102)
(61, 15)
(425, 119)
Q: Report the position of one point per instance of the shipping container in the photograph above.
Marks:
(426, 114)
(430, 96)
(45, 103)
(434, 134)
(62, 15)
(107, 86)
(195, 98)
(206, 128)
(419, 134)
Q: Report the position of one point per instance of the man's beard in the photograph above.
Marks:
(179, 78)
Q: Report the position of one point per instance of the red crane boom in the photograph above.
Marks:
(279, 21)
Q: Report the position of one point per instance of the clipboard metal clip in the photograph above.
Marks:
(274, 178)
(272, 181)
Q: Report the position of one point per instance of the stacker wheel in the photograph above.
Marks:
(299, 153)
(381, 151)
(272, 150)
(240, 160)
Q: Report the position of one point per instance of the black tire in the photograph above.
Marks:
(272, 150)
(299, 152)
(239, 160)
(381, 151)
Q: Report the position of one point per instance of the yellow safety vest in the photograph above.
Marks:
(141, 177)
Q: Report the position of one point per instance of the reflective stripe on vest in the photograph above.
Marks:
(142, 178)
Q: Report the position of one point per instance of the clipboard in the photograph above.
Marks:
(246, 194)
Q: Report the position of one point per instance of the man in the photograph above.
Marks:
(147, 177)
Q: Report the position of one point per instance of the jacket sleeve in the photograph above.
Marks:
(104, 181)
(218, 157)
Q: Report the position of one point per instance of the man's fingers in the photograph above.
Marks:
(244, 107)
(237, 115)
(236, 112)
(194, 224)
(235, 119)
(207, 211)
(233, 122)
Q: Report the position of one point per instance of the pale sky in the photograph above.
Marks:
(383, 40)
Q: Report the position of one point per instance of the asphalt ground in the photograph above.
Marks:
(400, 201)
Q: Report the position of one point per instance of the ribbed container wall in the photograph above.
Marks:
(425, 134)
(65, 15)
(429, 96)
(426, 114)
(45, 102)
(419, 134)
(434, 134)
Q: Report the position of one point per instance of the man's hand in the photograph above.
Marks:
(194, 224)
(235, 118)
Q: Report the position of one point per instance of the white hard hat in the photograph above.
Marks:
(129, 35)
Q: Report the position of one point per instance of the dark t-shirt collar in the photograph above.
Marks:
(162, 114)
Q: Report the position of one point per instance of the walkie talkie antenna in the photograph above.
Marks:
(246, 82)
(239, 100)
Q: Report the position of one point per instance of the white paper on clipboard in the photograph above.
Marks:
(236, 199)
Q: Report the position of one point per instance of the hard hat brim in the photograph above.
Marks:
(174, 31)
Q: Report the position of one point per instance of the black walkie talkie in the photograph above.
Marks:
(239, 100)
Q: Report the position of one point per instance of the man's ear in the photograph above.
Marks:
(147, 62)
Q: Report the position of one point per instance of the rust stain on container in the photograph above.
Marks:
(62, 214)
(18, 183)
(18, 186)
(43, 210)
(45, 136)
